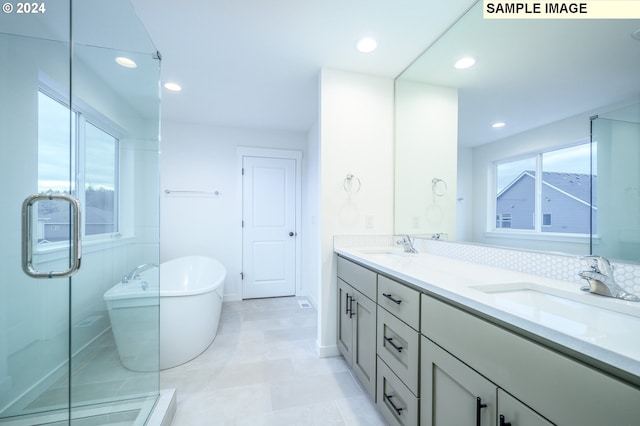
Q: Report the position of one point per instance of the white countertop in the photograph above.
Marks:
(599, 330)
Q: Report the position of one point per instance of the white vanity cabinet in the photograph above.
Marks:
(513, 412)
(454, 394)
(535, 384)
(357, 321)
(429, 360)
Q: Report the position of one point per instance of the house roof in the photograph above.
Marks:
(576, 185)
(92, 216)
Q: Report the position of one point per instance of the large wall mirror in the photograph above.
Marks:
(535, 146)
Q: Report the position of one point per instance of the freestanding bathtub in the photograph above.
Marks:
(190, 302)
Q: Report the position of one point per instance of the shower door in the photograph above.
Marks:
(79, 174)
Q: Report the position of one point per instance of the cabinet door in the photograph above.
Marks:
(453, 393)
(364, 342)
(518, 414)
(345, 325)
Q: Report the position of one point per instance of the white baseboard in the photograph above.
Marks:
(231, 298)
(327, 351)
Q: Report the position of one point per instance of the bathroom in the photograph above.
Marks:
(200, 159)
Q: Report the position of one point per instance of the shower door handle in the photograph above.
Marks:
(28, 240)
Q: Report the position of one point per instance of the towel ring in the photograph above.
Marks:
(348, 184)
(438, 187)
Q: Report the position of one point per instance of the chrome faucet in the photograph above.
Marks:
(407, 243)
(135, 272)
(601, 280)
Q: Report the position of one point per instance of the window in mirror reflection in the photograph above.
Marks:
(515, 194)
(549, 192)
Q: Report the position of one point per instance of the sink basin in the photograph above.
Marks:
(599, 320)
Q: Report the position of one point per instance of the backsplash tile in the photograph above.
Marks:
(550, 265)
(351, 241)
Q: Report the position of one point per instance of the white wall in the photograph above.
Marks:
(311, 218)
(204, 158)
(356, 137)
(464, 195)
(426, 125)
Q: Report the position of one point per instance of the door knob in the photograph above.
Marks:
(291, 234)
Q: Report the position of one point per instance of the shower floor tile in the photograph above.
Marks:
(262, 369)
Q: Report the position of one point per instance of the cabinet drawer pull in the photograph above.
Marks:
(502, 422)
(479, 407)
(351, 313)
(346, 312)
(398, 410)
(390, 340)
(390, 297)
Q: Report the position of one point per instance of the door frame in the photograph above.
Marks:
(271, 153)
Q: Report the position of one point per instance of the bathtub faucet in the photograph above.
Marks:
(135, 273)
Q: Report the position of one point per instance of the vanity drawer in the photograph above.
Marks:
(394, 400)
(400, 300)
(358, 277)
(398, 345)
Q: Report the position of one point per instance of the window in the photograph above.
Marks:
(558, 182)
(503, 220)
(100, 181)
(86, 168)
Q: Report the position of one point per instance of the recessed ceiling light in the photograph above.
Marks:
(367, 45)
(174, 87)
(464, 63)
(126, 62)
(498, 124)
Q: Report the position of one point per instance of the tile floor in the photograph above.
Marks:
(262, 369)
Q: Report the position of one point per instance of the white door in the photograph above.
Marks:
(269, 227)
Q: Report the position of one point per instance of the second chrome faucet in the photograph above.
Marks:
(601, 281)
(407, 243)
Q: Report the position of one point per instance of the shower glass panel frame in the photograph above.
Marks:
(615, 137)
(59, 362)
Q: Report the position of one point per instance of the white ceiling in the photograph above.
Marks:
(255, 63)
(532, 72)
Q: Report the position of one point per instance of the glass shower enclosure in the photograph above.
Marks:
(79, 131)
(615, 136)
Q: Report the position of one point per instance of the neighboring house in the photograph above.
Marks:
(566, 203)
(54, 218)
